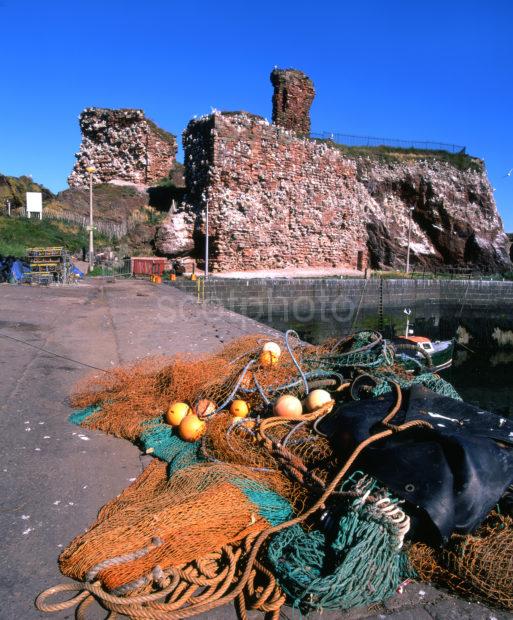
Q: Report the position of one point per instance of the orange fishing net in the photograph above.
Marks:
(131, 395)
(474, 565)
(164, 523)
(236, 441)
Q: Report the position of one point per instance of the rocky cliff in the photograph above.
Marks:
(278, 200)
(124, 146)
(454, 217)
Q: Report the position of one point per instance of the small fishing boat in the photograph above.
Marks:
(417, 351)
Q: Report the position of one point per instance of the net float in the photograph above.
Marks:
(239, 408)
(268, 359)
(191, 428)
(176, 413)
(317, 399)
(273, 347)
(288, 406)
(204, 408)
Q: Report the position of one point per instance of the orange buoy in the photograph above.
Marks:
(176, 413)
(288, 406)
(317, 399)
(268, 359)
(239, 408)
(204, 408)
(191, 428)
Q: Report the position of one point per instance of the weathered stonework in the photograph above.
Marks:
(277, 200)
(124, 146)
(293, 96)
(274, 200)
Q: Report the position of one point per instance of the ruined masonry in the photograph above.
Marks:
(292, 99)
(275, 200)
(279, 199)
(124, 146)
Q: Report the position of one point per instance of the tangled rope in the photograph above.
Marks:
(234, 573)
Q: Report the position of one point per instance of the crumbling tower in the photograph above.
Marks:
(124, 146)
(293, 95)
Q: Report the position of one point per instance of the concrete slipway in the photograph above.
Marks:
(55, 477)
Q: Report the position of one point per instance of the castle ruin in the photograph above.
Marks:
(278, 199)
(123, 146)
(292, 99)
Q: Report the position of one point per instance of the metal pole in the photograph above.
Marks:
(407, 311)
(91, 170)
(91, 241)
(409, 240)
(206, 240)
(9, 208)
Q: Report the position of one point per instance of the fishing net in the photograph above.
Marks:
(479, 565)
(161, 521)
(237, 442)
(128, 397)
(205, 508)
(430, 380)
(356, 560)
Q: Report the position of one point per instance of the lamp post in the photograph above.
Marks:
(206, 240)
(91, 170)
(410, 211)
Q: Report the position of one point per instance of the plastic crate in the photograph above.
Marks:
(49, 251)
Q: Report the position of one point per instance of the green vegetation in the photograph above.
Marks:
(114, 192)
(14, 189)
(391, 154)
(19, 233)
(162, 133)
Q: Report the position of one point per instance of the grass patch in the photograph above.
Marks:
(19, 233)
(391, 154)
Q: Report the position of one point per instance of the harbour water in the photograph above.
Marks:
(482, 375)
(479, 313)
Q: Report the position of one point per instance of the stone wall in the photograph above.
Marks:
(274, 200)
(124, 146)
(325, 307)
(277, 200)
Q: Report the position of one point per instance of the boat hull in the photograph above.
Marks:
(413, 357)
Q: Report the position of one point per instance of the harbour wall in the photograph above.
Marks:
(320, 308)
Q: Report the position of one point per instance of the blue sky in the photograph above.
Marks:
(428, 70)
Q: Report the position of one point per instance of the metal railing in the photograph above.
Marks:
(114, 269)
(373, 141)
